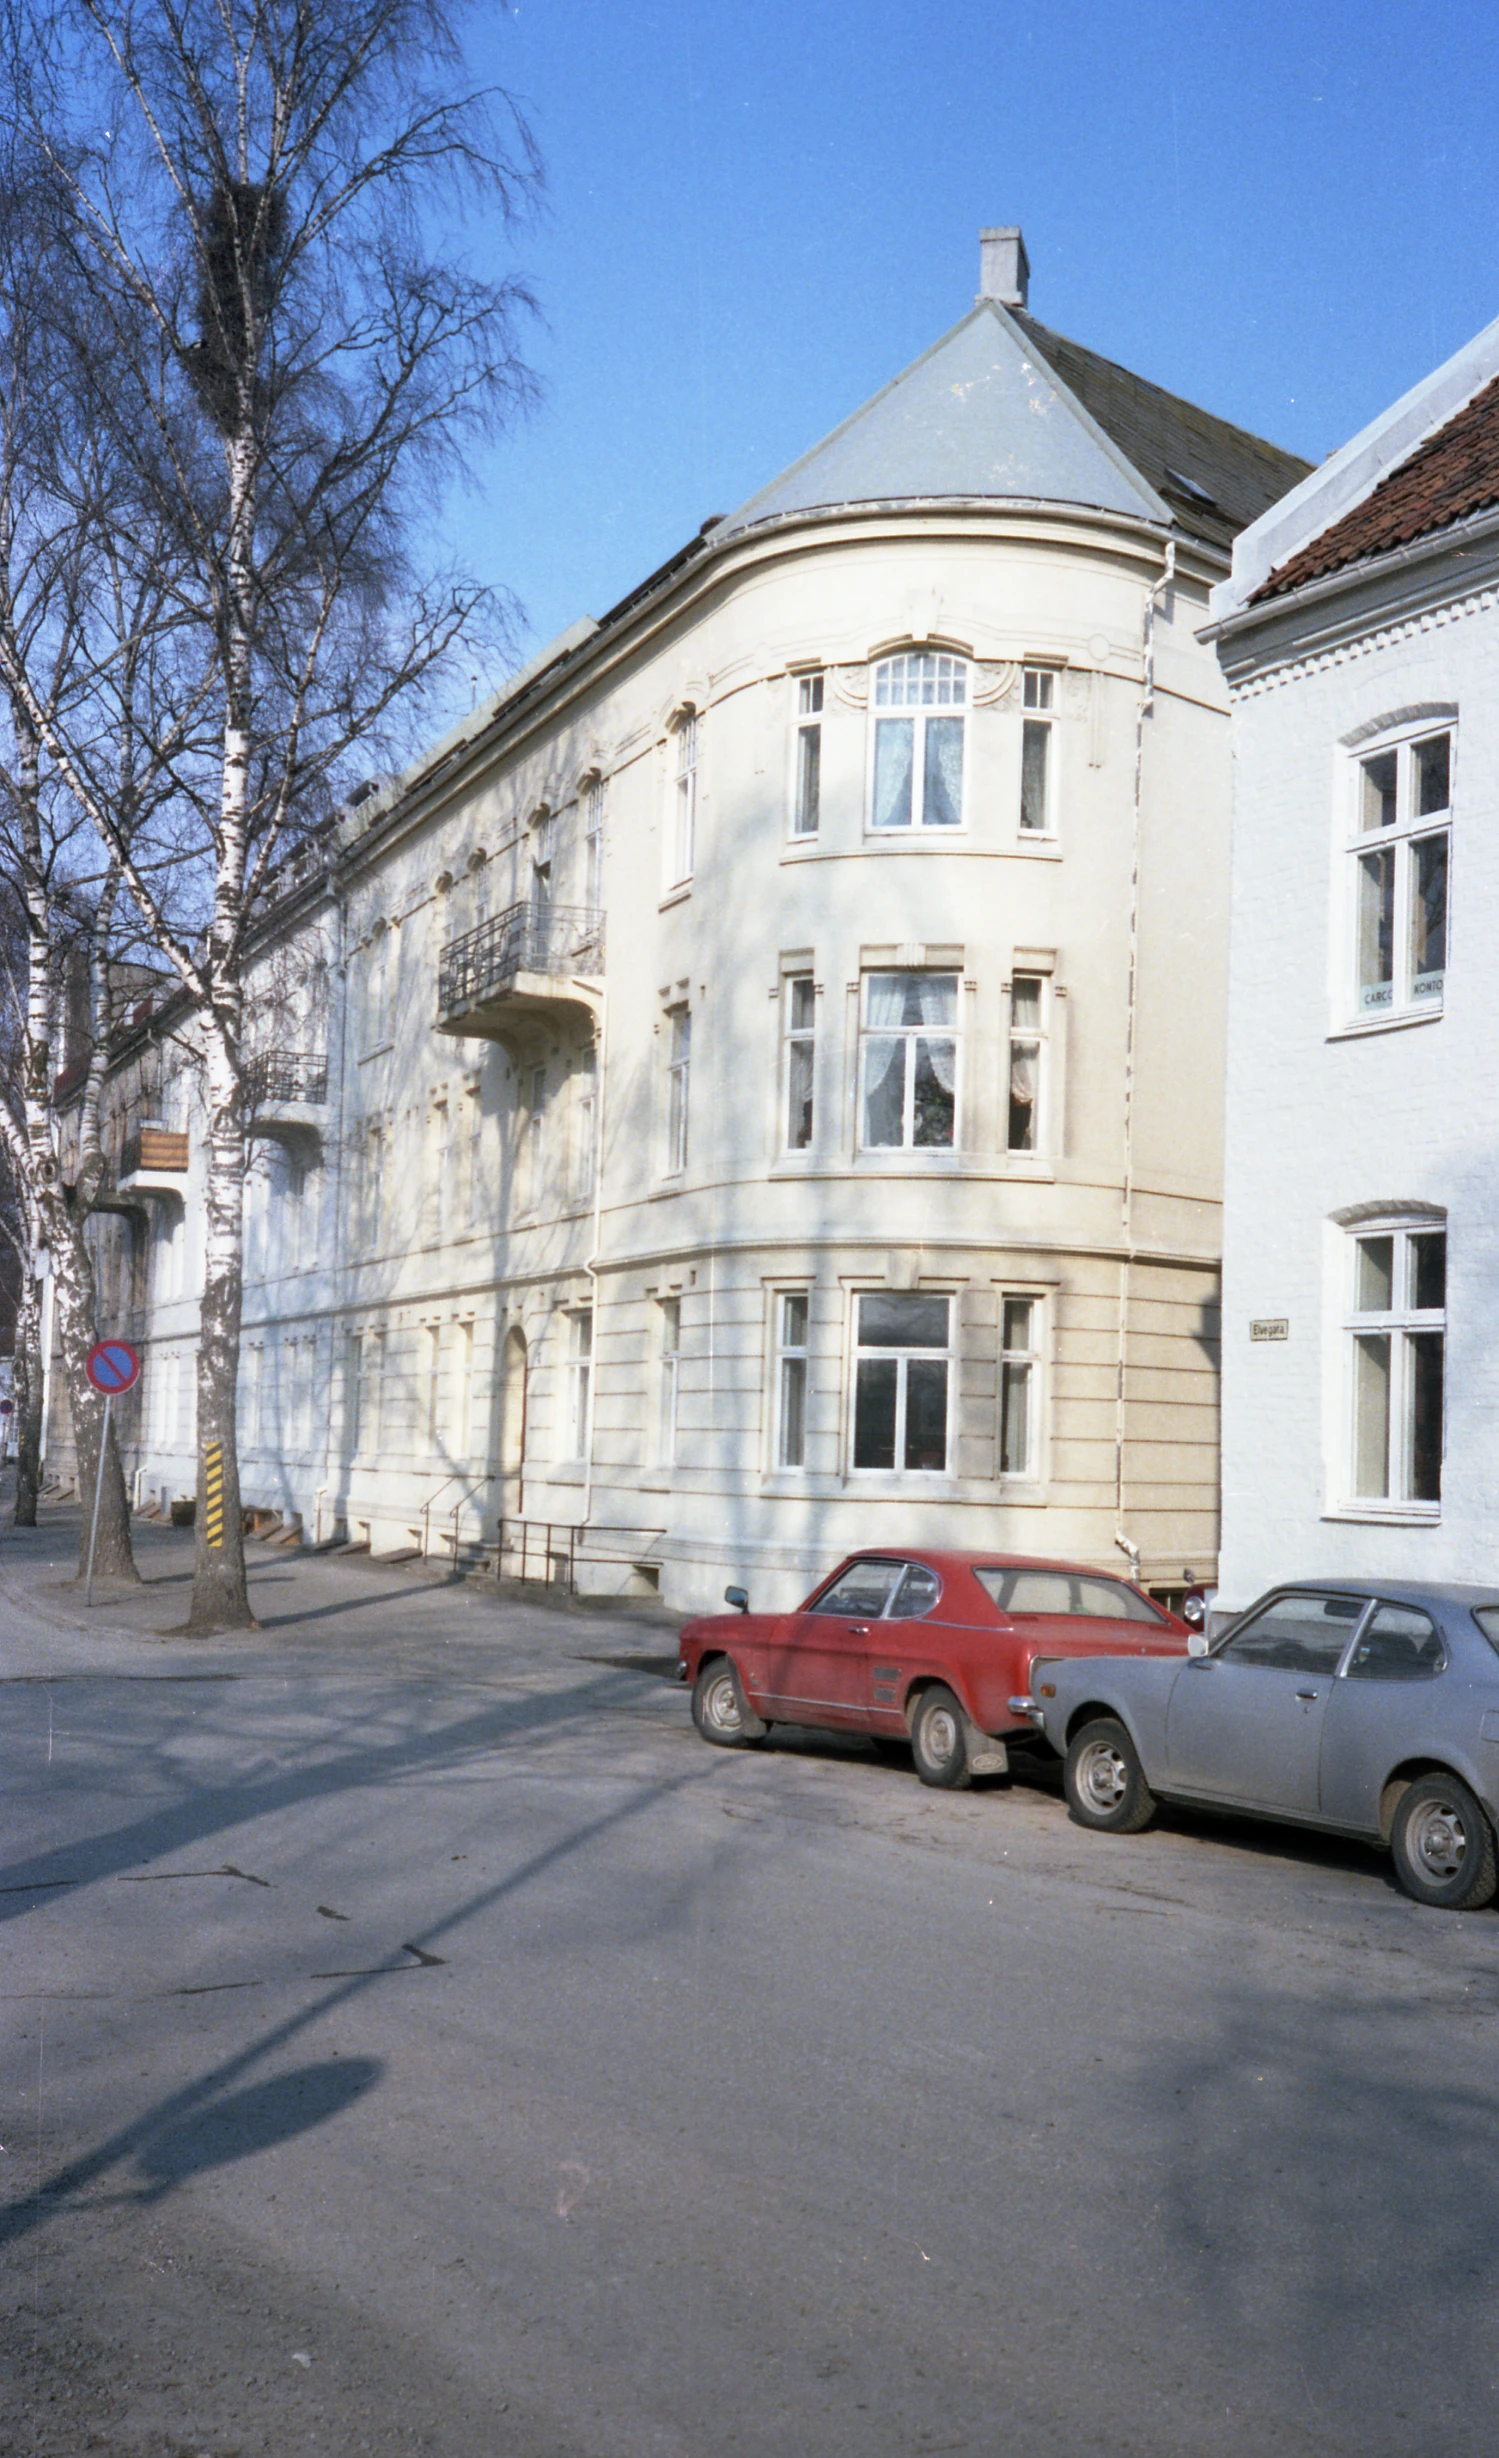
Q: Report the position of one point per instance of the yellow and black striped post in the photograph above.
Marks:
(213, 1493)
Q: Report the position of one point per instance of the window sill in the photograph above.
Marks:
(676, 1184)
(916, 840)
(1388, 1514)
(1039, 848)
(1021, 1494)
(1366, 1026)
(377, 1051)
(676, 896)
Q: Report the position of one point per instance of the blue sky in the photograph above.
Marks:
(756, 215)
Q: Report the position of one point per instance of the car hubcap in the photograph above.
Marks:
(1102, 1777)
(723, 1706)
(1438, 1842)
(941, 1735)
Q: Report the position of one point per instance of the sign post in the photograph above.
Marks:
(111, 1366)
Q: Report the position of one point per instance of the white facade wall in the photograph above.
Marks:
(477, 1232)
(1323, 1121)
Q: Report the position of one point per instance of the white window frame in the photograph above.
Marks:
(806, 759)
(903, 1357)
(1021, 1361)
(798, 991)
(585, 1126)
(1037, 1038)
(905, 678)
(1399, 1324)
(593, 844)
(791, 1372)
(678, 1025)
(580, 1380)
(669, 1389)
(1038, 701)
(686, 752)
(1399, 1002)
(911, 1033)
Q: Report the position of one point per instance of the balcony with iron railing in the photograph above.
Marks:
(286, 1093)
(524, 970)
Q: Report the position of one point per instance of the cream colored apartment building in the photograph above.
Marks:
(755, 1088)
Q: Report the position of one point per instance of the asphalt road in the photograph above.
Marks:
(415, 2039)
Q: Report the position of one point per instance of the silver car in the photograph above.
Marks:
(1372, 1710)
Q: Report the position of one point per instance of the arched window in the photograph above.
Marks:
(919, 699)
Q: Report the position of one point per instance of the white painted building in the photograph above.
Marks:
(1360, 636)
(756, 1086)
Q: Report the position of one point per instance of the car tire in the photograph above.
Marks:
(938, 1743)
(1105, 1782)
(1443, 1846)
(718, 1707)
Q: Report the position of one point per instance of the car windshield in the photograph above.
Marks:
(864, 1588)
(1065, 1591)
(1294, 1634)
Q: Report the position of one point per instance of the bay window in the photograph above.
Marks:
(919, 704)
(1399, 851)
(792, 1313)
(902, 1378)
(1396, 1333)
(807, 784)
(801, 1050)
(1038, 694)
(1019, 1377)
(908, 1061)
(1027, 1050)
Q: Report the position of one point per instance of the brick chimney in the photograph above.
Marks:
(1004, 268)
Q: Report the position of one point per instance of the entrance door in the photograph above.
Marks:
(1245, 1723)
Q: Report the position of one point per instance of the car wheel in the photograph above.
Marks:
(937, 1742)
(718, 1707)
(1443, 1846)
(1105, 1782)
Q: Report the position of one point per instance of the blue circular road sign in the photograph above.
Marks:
(112, 1366)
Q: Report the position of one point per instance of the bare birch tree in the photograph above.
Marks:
(291, 368)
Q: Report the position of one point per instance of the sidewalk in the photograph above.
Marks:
(323, 1612)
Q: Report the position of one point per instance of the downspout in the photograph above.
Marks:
(337, 1366)
(591, 1266)
(1157, 590)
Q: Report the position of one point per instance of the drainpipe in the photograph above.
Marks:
(44, 1338)
(591, 1266)
(1127, 1183)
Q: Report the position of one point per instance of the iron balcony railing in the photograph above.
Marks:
(286, 1075)
(528, 939)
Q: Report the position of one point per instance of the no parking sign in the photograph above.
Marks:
(112, 1366)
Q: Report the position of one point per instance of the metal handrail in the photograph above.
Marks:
(466, 1496)
(530, 938)
(578, 1546)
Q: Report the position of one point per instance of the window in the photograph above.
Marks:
(678, 1070)
(353, 1389)
(463, 1367)
(807, 789)
(542, 832)
(901, 1382)
(1296, 1634)
(908, 1061)
(1019, 1379)
(593, 844)
(1396, 1331)
(535, 1135)
(1037, 699)
(684, 802)
(670, 1324)
(432, 1412)
(800, 1010)
(1027, 1043)
(1397, 1644)
(918, 757)
(580, 1375)
(585, 1125)
(792, 1311)
(1069, 1592)
(1401, 832)
(862, 1591)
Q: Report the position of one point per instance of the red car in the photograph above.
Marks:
(931, 1648)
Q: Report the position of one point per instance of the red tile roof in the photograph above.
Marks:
(1454, 473)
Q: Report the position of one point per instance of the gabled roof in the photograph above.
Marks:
(1002, 407)
(1455, 472)
(1417, 467)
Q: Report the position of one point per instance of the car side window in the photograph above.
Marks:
(917, 1593)
(865, 1589)
(1487, 1618)
(1399, 1644)
(1295, 1634)
(1063, 1591)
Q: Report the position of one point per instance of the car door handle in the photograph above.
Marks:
(858, 1630)
(1309, 1694)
